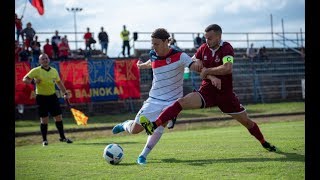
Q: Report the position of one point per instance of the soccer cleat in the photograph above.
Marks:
(117, 128)
(172, 123)
(141, 160)
(65, 140)
(44, 143)
(269, 147)
(147, 125)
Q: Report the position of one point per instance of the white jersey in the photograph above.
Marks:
(167, 84)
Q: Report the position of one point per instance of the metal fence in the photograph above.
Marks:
(185, 40)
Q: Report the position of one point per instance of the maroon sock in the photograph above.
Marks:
(169, 113)
(255, 131)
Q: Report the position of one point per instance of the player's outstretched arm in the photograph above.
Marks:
(144, 65)
(196, 65)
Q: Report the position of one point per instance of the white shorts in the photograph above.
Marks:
(151, 110)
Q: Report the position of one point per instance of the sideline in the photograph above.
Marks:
(181, 121)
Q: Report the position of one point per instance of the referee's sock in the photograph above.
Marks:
(44, 131)
(59, 126)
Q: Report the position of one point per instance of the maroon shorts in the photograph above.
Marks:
(228, 102)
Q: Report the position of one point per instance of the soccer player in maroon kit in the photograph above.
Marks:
(217, 59)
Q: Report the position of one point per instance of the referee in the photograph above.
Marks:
(45, 77)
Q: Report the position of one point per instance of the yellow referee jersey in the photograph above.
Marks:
(48, 79)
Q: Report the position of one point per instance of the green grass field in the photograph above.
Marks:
(198, 152)
(111, 120)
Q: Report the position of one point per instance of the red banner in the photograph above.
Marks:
(127, 78)
(74, 75)
(24, 92)
(87, 81)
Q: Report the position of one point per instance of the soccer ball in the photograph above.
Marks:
(113, 154)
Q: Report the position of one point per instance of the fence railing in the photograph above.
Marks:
(185, 40)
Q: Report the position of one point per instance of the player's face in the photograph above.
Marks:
(160, 46)
(212, 39)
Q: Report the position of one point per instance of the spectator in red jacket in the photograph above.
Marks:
(18, 23)
(87, 36)
(48, 49)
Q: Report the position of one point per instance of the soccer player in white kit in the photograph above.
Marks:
(167, 86)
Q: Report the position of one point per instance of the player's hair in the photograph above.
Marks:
(160, 33)
(214, 27)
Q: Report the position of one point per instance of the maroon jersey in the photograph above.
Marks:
(213, 58)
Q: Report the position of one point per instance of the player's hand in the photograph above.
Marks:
(203, 73)
(139, 64)
(215, 81)
(198, 65)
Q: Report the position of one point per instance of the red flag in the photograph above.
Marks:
(38, 4)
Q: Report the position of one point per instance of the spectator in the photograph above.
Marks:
(17, 51)
(55, 41)
(35, 49)
(88, 39)
(48, 49)
(173, 43)
(29, 33)
(197, 41)
(25, 54)
(203, 39)
(104, 41)
(64, 50)
(125, 41)
(263, 54)
(66, 38)
(251, 53)
(18, 23)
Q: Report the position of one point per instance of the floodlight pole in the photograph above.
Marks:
(75, 10)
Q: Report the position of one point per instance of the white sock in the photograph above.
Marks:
(127, 125)
(152, 141)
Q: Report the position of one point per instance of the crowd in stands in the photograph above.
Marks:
(57, 47)
(28, 46)
(260, 54)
